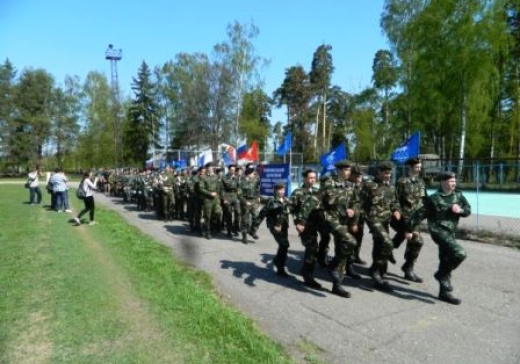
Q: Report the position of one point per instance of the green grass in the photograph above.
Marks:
(109, 294)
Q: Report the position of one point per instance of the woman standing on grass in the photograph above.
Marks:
(88, 186)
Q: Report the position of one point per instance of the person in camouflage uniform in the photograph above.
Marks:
(411, 194)
(180, 195)
(166, 190)
(193, 204)
(209, 190)
(443, 209)
(230, 201)
(323, 229)
(249, 195)
(341, 218)
(305, 205)
(380, 204)
(276, 212)
(356, 178)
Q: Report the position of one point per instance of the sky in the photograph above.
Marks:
(70, 37)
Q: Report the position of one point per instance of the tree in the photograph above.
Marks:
(65, 112)
(384, 78)
(31, 126)
(144, 127)
(256, 111)
(96, 144)
(320, 77)
(7, 110)
(295, 94)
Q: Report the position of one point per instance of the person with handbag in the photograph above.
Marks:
(33, 184)
(88, 186)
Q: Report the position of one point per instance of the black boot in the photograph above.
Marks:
(409, 273)
(446, 296)
(253, 234)
(207, 235)
(307, 275)
(444, 281)
(357, 258)
(337, 289)
(350, 271)
(279, 262)
(244, 238)
(379, 283)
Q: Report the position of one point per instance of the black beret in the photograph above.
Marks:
(249, 170)
(342, 164)
(201, 168)
(385, 166)
(356, 171)
(412, 161)
(232, 166)
(209, 164)
(279, 185)
(444, 176)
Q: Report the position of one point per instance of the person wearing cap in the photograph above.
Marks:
(196, 201)
(209, 190)
(411, 194)
(381, 205)
(341, 218)
(356, 178)
(443, 209)
(230, 201)
(305, 208)
(249, 195)
(276, 212)
(166, 186)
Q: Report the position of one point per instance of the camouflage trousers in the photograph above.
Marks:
(383, 244)
(413, 246)
(249, 216)
(451, 254)
(212, 213)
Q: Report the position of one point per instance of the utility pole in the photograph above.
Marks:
(115, 55)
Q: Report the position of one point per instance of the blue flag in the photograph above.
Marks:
(328, 160)
(408, 149)
(286, 146)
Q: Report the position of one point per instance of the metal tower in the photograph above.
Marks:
(115, 55)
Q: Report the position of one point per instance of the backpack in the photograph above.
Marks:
(80, 192)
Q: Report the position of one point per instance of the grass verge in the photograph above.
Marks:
(109, 294)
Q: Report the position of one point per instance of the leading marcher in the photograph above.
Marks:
(443, 209)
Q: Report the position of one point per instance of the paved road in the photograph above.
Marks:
(408, 326)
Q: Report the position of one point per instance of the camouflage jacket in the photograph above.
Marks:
(277, 212)
(437, 210)
(379, 200)
(303, 202)
(249, 189)
(337, 198)
(230, 184)
(411, 194)
(207, 185)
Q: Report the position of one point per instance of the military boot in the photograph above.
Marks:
(253, 234)
(207, 234)
(379, 283)
(307, 275)
(357, 258)
(350, 271)
(244, 238)
(409, 273)
(446, 296)
(444, 281)
(337, 289)
(279, 262)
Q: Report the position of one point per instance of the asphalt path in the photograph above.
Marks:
(407, 326)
